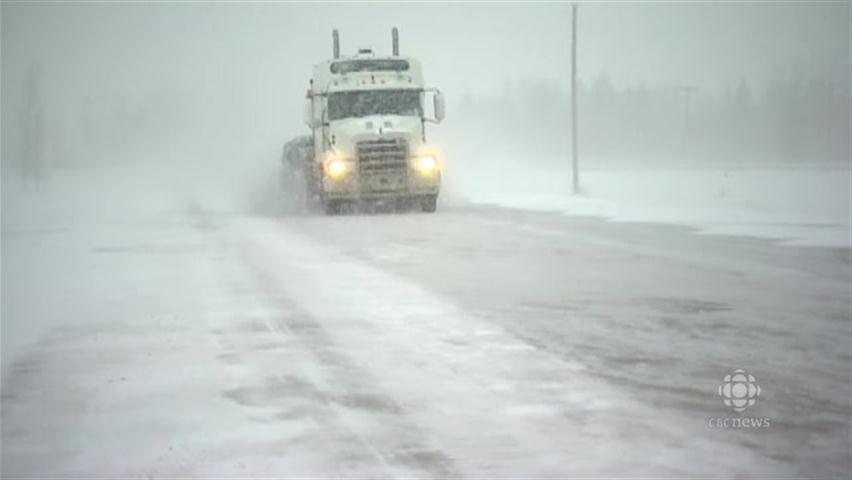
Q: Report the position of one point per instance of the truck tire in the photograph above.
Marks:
(429, 204)
(331, 207)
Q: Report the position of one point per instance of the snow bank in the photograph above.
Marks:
(807, 205)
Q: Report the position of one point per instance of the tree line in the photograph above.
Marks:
(791, 119)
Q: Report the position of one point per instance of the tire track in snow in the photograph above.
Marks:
(373, 420)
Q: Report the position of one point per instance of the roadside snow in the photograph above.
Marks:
(71, 237)
(806, 205)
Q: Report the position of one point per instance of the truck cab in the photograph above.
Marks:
(368, 117)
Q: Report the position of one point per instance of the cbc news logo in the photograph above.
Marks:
(739, 390)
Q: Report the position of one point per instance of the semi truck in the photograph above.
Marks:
(367, 116)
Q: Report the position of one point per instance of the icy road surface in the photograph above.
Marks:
(170, 335)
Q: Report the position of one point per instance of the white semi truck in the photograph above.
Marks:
(368, 115)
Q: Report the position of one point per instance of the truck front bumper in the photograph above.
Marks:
(382, 186)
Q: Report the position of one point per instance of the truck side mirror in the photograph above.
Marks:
(308, 113)
(439, 106)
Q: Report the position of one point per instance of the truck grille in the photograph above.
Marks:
(383, 155)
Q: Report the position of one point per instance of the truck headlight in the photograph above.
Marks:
(426, 164)
(335, 168)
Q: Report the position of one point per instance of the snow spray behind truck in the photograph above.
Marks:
(367, 116)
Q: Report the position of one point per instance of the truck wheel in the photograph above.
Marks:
(331, 207)
(429, 204)
(401, 205)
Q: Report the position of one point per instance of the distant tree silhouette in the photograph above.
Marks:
(795, 116)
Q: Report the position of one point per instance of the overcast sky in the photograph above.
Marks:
(463, 45)
(256, 58)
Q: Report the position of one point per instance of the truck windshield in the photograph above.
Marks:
(374, 102)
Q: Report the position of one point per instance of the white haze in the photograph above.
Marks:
(221, 85)
(163, 317)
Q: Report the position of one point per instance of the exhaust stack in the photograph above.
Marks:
(335, 37)
(395, 37)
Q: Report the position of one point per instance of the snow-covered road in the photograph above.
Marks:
(172, 335)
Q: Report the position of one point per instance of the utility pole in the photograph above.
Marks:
(575, 160)
(687, 91)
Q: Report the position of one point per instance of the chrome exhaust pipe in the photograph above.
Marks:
(335, 37)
